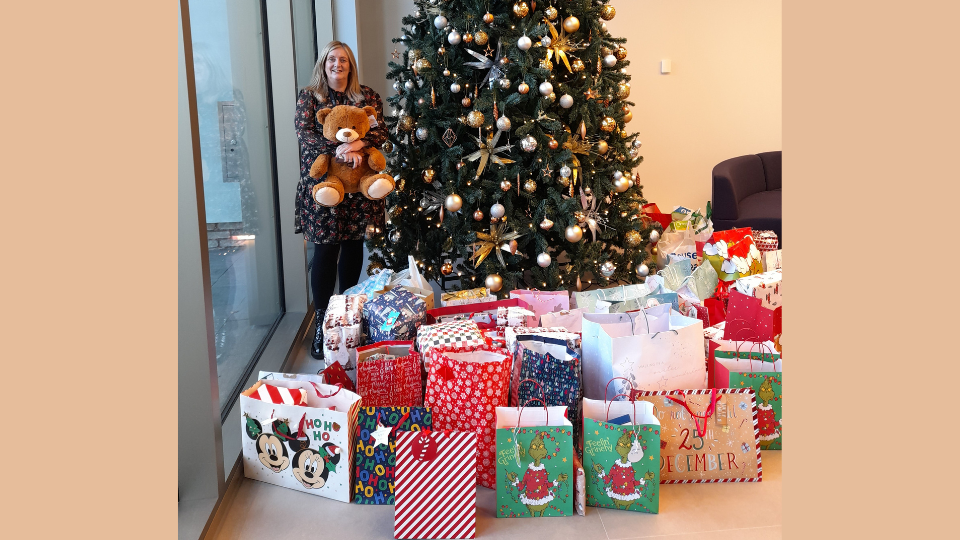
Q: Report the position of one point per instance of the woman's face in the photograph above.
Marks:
(337, 67)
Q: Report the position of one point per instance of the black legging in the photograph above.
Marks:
(324, 270)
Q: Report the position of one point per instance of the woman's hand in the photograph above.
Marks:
(354, 146)
(353, 158)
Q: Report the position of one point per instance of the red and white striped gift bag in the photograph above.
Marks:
(435, 484)
(280, 395)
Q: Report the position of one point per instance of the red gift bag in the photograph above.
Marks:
(334, 374)
(388, 375)
(464, 388)
(747, 319)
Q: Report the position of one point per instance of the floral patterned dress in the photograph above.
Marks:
(348, 220)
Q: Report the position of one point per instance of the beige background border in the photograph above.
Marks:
(870, 130)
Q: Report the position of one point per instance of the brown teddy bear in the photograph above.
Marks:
(345, 123)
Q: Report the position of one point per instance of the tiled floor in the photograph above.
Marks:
(743, 511)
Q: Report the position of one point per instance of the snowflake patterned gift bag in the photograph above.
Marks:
(535, 476)
(621, 455)
(707, 435)
(464, 388)
(375, 451)
(542, 302)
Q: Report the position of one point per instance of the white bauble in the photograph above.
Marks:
(609, 60)
(566, 101)
(565, 171)
(497, 211)
(546, 41)
(409, 85)
(546, 88)
(642, 270)
(503, 123)
(654, 235)
(453, 202)
(455, 87)
(528, 143)
(524, 43)
(544, 260)
(440, 22)
(454, 38)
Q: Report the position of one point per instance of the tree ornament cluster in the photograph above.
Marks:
(477, 155)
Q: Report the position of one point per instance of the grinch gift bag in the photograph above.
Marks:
(436, 485)
(375, 457)
(621, 455)
(298, 434)
(762, 371)
(464, 388)
(534, 462)
(707, 435)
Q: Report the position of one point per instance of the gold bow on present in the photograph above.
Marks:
(469, 294)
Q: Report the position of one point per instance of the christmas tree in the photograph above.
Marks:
(508, 148)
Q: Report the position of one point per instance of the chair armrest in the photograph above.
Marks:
(724, 199)
(734, 180)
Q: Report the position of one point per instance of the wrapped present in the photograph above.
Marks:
(426, 295)
(485, 314)
(389, 374)
(587, 300)
(469, 296)
(768, 287)
(377, 431)
(535, 475)
(464, 387)
(513, 316)
(579, 487)
(394, 316)
(343, 331)
(449, 334)
(772, 260)
(766, 240)
(305, 447)
(706, 435)
(621, 455)
(372, 284)
(436, 485)
(541, 302)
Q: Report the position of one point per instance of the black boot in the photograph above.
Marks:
(316, 350)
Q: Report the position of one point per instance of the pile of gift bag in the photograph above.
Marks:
(556, 401)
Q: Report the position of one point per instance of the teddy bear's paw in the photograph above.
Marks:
(381, 187)
(327, 196)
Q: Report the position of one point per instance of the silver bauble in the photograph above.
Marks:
(497, 211)
(524, 43)
(617, 175)
(503, 123)
(453, 202)
(565, 171)
(642, 270)
(422, 133)
(440, 22)
(408, 85)
(397, 86)
(454, 38)
(546, 88)
(637, 143)
(654, 235)
(395, 236)
(528, 143)
(609, 60)
(504, 83)
(455, 87)
(607, 269)
(573, 233)
(566, 101)
(544, 260)
(546, 41)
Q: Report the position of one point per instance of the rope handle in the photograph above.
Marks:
(756, 344)
(516, 442)
(607, 387)
(705, 416)
(609, 403)
(321, 395)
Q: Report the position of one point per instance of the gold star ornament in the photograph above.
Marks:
(560, 45)
(491, 242)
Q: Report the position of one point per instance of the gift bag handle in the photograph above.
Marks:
(321, 395)
(759, 345)
(607, 387)
(630, 398)
(543, 393)
(516, 451)
(705, 416)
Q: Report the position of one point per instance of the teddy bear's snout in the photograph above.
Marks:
(347, 135)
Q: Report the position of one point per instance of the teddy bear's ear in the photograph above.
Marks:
(370, 111)
(322, 115)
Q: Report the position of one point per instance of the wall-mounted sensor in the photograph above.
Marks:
(664, 66)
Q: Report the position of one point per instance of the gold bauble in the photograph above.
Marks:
(577, 65)
(627, 115)
(447, 268)
(481, 37)
(413, 54)
(494, 220)
(573, 233)
(506, 185)
(606, 51)
(546, 64)
(466, 102)
(607, 124)
(580, 216)
(623, 90)
(564, 181)
(428, 175)
(475, 119)
(624, 134)
(488, 18)
(607, 12)
(478, 215)
(523, 88)
(571, 24)
(521, 9)
(422, 64)
(602, 147)
(550, 12)
(529, 185)
(395, 211)
(407, 122)
(468, 38)
(553, 144)
(621, 52)
(654, 250)
(494, 282)
(387, 146)
(546, 224)
(453, 202)
(632, 238)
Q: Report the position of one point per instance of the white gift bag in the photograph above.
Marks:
(313, 453)
(596, 368)
(571, 319)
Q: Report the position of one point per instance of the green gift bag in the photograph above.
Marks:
(621, 461)
(534, 462)
(762, 371)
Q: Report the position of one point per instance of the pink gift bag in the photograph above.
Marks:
(542, 302)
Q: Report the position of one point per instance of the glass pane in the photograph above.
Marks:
(238, 183)
(305, 56)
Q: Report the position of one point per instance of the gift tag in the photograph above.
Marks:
(390, 320)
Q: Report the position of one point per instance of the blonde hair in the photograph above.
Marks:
(318, 82)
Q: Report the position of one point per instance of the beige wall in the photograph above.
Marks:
(723, 98)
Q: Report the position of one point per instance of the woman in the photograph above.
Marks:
(338, 231)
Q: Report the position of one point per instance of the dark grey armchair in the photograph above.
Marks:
(747, 192)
